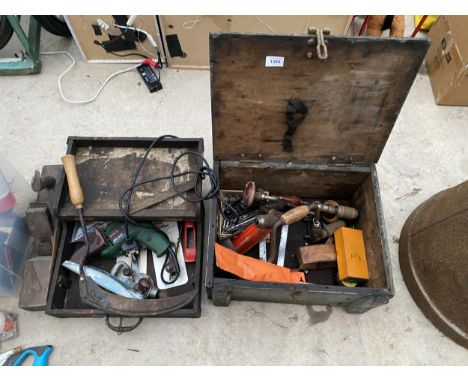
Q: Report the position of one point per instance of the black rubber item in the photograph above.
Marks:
(173, 44)
(123, 329)
(6, 31)
(387, 22)
(54, 25)
(97, 30)
(117, 44)
(120, 19)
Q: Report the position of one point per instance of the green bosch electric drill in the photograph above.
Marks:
(144, 234)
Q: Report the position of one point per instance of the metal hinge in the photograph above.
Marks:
(319, 41)
(341, 162)
(251, 160)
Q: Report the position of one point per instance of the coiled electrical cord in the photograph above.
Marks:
(175, 275)
(204, 172)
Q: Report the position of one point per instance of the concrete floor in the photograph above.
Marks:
(426, 153)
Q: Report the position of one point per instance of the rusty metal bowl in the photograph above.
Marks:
(433, 254)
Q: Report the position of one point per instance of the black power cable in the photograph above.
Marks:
(174, 273)
(204, 172)
(129, 191)
(129, 54)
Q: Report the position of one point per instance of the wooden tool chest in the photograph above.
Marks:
(354, 94)
(105, 168)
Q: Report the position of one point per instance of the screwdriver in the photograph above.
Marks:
(251, 194)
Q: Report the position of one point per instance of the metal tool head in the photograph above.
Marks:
(330, 218)
(267, 220)
(78, 234)
(39, 182)
(282, 245)
(248, 197)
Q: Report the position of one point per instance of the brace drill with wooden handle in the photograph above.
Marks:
(296, 214)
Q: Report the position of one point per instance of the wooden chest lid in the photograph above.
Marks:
(353, 97)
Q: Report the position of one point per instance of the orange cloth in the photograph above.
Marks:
(252, 269)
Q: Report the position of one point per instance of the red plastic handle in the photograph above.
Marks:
(292, 200)
(190, 242)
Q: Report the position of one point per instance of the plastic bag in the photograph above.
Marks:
(13, 185)
(248, 268)
(8, 328)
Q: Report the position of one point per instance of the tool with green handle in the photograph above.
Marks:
(145, 234)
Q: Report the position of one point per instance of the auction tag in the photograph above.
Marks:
(274, 61)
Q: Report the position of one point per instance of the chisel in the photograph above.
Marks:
(77, 199)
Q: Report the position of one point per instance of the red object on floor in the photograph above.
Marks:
(150, 62)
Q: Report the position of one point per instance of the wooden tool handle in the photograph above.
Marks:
(74, 187)
(294, 215)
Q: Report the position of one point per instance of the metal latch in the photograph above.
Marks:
(321, 46)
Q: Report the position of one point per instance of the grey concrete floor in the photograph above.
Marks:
(426, 153)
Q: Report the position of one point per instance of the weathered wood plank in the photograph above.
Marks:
(353, 97)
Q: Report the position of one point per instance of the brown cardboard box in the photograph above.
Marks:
(81, 27)
(447, 60)
(187, 36)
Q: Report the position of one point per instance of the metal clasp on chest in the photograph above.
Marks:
(319, 41)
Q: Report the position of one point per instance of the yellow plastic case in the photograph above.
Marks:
(351, 255)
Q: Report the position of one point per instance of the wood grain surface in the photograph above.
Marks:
(354, 97)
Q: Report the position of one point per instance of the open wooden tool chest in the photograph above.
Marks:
(344, 95)
(105, 168)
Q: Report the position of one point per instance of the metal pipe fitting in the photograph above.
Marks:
(333, 211)
(267, 220)
(327, 231)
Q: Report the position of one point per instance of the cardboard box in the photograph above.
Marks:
(447, 60)
(186, 37)
(81, 27)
